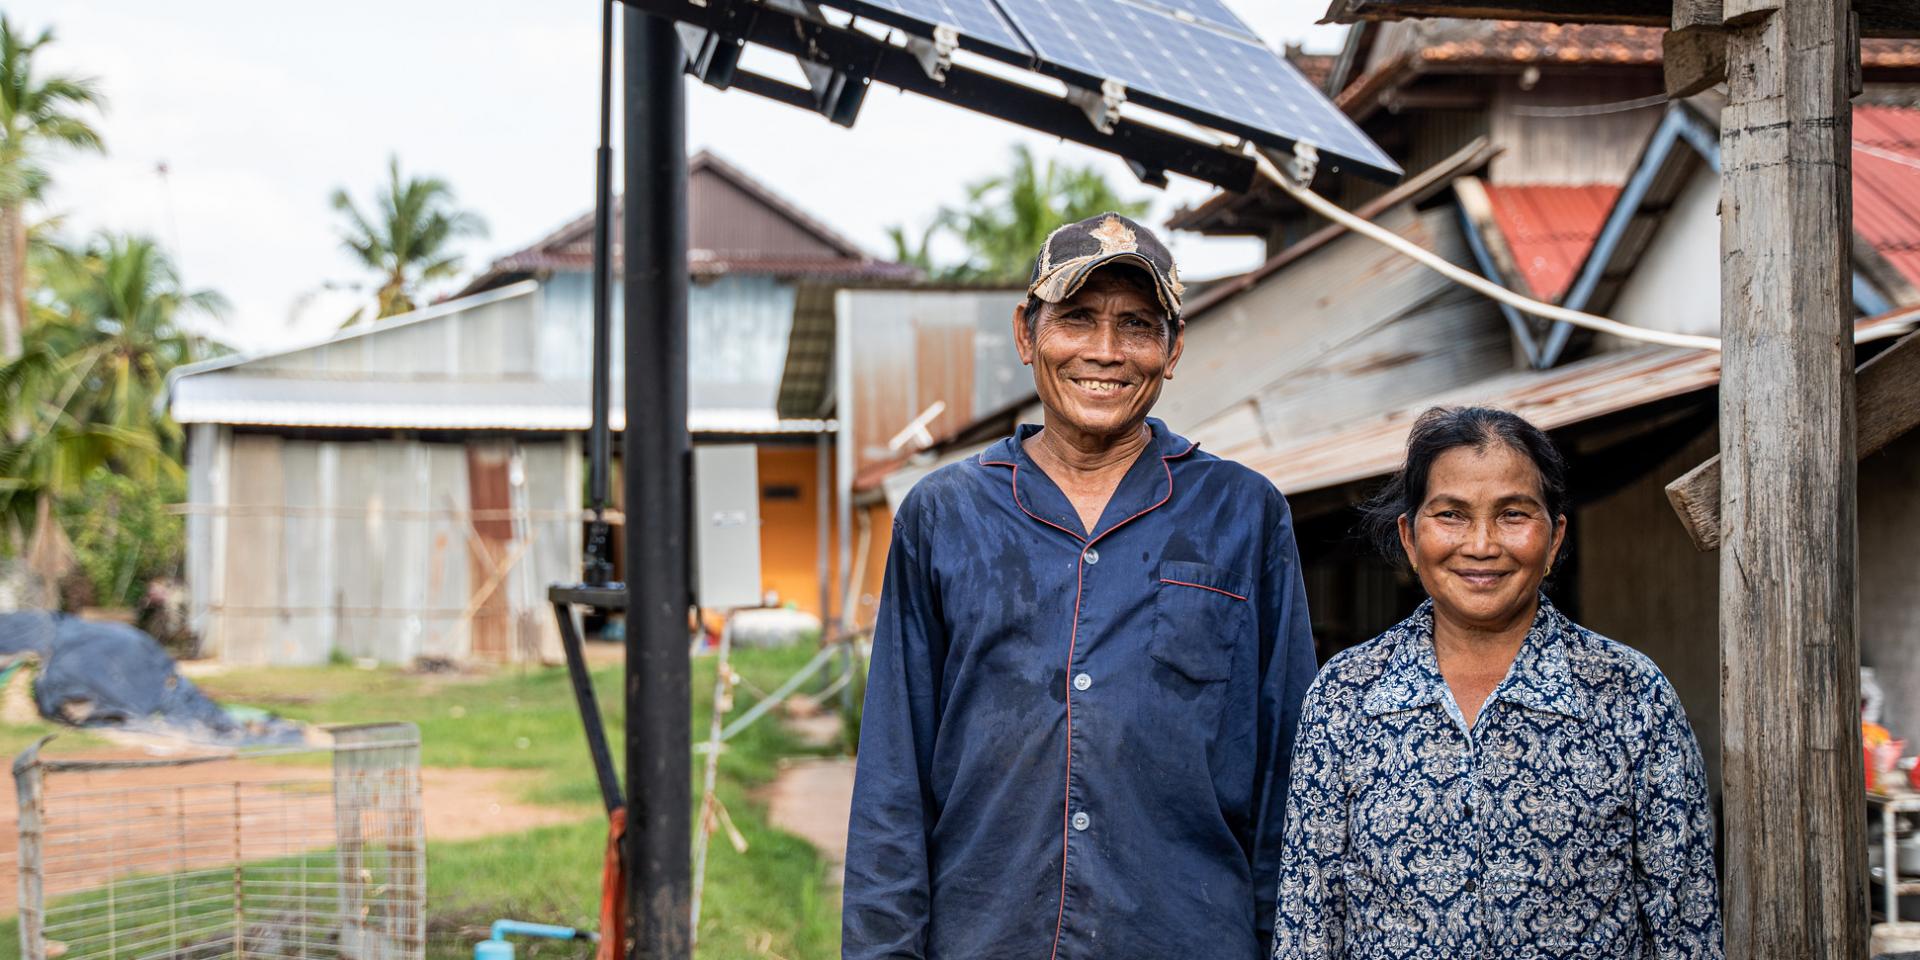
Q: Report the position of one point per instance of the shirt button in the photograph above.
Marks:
(1091, 555)
(1082, 682)
(1469, 887)
(1081, 821)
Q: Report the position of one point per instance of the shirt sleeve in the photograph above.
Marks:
(1287, 667)
(887, 892)
(1673, 836)
(1309, 917)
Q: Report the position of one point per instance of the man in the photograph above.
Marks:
(1091, 649)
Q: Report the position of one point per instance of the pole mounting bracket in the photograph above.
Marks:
(936, 55)
(1102, 106)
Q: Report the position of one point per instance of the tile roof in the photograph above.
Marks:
(1512, 41)
(1886, 184)
(1889, 54)
(1550, 228)
(1316, 67)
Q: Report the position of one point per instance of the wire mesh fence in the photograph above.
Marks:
(282, 854)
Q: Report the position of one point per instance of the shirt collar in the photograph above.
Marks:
(1539, 679)
(1147, 485)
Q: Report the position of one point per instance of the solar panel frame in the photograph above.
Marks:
(1132, 39)
(1001, 39)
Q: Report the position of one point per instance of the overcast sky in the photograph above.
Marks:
(257, 111)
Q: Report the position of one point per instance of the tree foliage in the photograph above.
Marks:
(1007, 217)
(89, 388)
(407, 237)
(36, 112)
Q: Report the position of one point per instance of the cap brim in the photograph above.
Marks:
(1067, 278)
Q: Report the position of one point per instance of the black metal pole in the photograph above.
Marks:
(589, 704)
(598, 565)
(658, 687)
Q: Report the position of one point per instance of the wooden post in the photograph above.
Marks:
(1790, 697)
(29, 784)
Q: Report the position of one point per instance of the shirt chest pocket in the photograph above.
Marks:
(1199, 612)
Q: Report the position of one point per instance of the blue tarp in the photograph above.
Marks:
(110, 674)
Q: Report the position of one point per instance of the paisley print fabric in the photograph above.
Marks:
(1570, 821)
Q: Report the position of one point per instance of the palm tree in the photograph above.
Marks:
(90, 383)
(1006, 218)
(408, 238)
(35, 112)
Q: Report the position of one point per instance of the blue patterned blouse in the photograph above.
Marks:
(1570, 821)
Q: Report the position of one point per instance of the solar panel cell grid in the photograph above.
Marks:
(1203, 69)
(978, 19)
(1203, 11)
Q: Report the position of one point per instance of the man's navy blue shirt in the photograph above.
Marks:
(1076, 745)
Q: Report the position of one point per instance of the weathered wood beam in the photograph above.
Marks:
(1886, 407)
(1694, 59)
(1742, 12)
(1697, 14)
(1790, 659)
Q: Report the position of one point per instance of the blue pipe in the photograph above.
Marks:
(497, 947)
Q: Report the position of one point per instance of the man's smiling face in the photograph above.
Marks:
(1099, 357)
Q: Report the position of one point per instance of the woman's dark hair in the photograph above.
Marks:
(1446, 428)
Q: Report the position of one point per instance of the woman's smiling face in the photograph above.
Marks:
(1099, 357)
(1482, 538)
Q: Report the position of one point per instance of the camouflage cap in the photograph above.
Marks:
(1073, 252)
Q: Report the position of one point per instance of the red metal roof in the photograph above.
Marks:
(1550, 228)
(1886, 184)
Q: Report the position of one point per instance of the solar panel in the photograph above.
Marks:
(1205, 74)
(974, 19)
(1202, 11)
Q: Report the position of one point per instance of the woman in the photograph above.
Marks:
(1488, 778)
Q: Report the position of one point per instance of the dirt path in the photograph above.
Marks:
(811, 799)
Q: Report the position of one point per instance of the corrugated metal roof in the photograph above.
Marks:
(431, 404)
(1550, 399)
(1551, 228)
(1886, 184)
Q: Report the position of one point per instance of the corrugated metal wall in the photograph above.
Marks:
(495, 339)
(736, 337)
(1354, 329)
(1641, 582)
(380, 548)
(909, 348)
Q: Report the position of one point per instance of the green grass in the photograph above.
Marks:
(17, 737)
(771, 900)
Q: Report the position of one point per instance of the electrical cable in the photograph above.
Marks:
(1593, 109)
